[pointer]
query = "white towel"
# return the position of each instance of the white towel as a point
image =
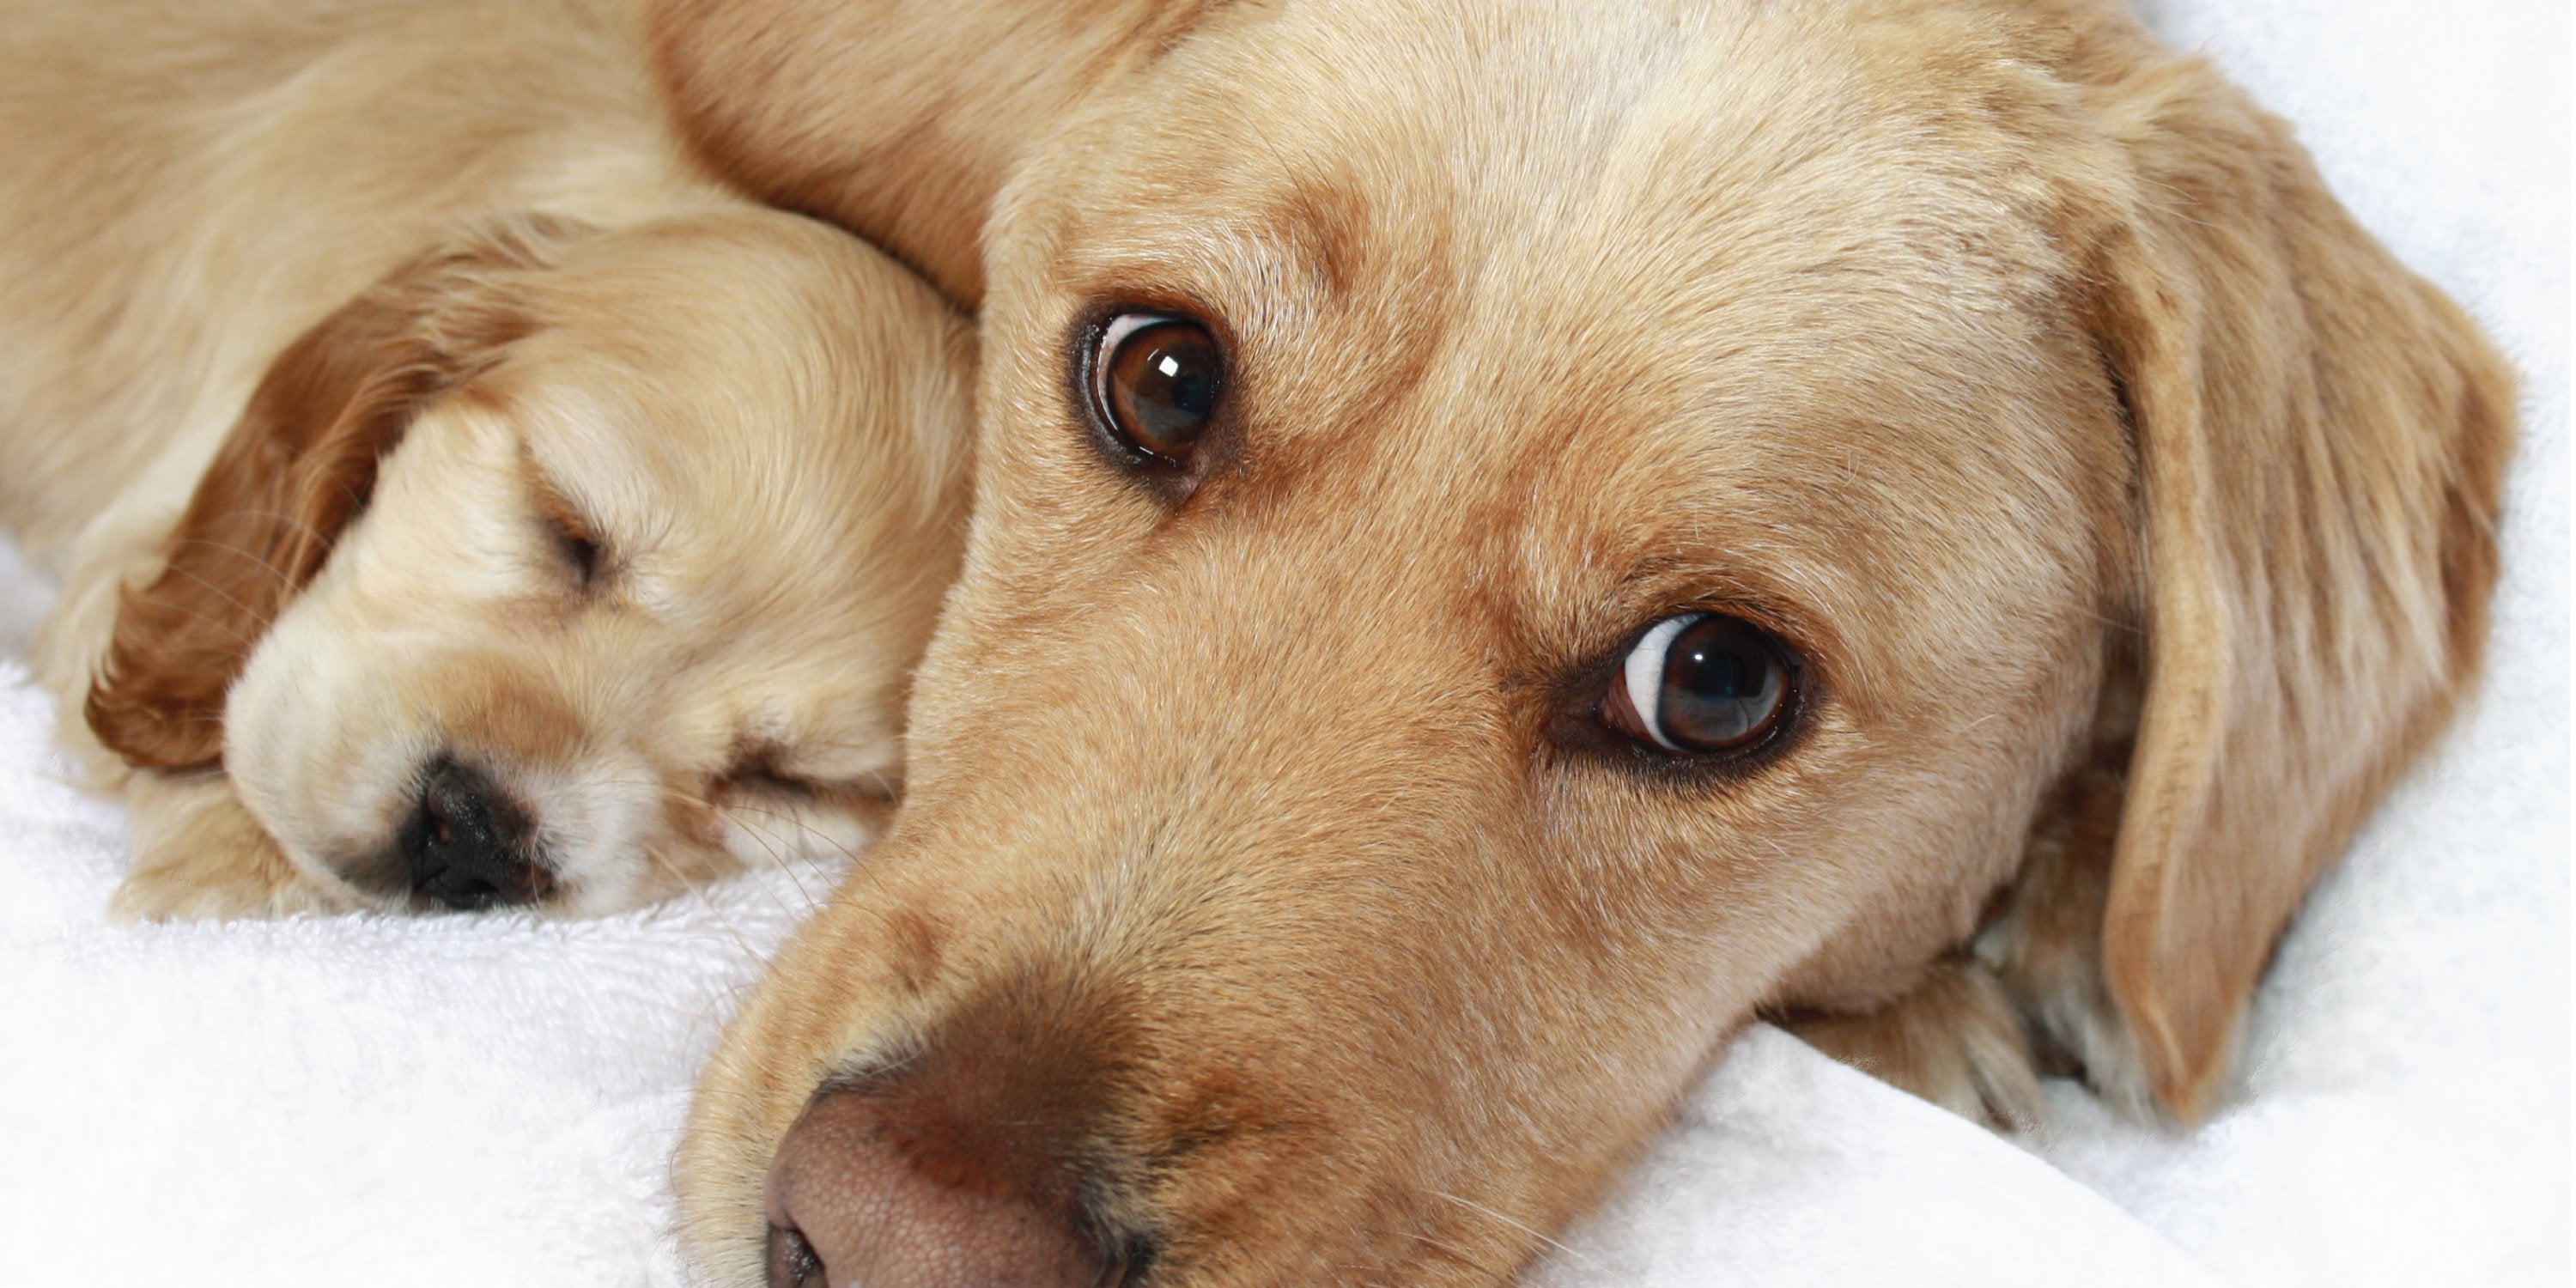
(492, 1100)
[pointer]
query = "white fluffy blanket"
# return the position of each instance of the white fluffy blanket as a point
(492, 1101)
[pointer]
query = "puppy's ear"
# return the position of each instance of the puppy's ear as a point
(894, 119)
(297, 468)
(2321, 438)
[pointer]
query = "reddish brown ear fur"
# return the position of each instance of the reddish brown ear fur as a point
(298, 467)
(2322, 438)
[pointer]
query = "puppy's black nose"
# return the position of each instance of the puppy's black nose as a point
(468, 845)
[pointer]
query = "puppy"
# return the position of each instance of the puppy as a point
(459, 499)
(1511, 538)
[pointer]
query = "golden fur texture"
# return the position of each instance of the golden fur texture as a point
(390, 391)
(2131, 509)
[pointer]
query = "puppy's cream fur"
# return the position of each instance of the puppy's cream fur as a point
(331, 332)
(2132, 510)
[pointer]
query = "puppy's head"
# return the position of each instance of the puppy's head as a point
(1510, 537)
(565, 566)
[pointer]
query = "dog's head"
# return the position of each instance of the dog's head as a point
(565, 565)
(1509, 538)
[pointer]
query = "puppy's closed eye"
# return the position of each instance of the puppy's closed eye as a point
(574, 538)
(763, 771)
(763, 781)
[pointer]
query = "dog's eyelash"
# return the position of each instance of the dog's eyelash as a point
(579, 549)
(773, 782)
(574, 539)
(757, 769)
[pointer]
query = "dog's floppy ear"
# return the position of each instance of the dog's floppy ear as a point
(895, 119)
(297, 468)
(2321, 438)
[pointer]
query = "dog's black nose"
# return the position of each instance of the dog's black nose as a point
(468, 845)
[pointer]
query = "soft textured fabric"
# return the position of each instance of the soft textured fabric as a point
(493, 1100)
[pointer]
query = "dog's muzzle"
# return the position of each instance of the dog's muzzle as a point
(468, 845)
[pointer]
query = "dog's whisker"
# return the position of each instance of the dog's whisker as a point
(689, 798)
(788, 867)
(1526, 1228)
(266, 564)
(786, 864)
(707, 902)
(296, 521)
(779, 858)
(1455, 1253)
(783, 859)
(228, 628)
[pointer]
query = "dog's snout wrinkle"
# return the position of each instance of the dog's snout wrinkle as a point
(469, 845)
(892, 1192)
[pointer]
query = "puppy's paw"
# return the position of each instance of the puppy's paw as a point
(199, 855)
(1955, 1041)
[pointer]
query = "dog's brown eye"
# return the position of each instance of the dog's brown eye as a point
(1155, 382)
(1700, 683)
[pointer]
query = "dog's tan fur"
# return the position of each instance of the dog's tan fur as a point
(318, 318)
(2132, 508)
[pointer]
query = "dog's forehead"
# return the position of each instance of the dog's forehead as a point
(1637, 285)
(1665, 207)
(1327, 147)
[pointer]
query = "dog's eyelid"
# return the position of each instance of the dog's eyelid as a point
(1652, 595)
(575, 536)
(773, 781)
(771, 766)
(764, 773)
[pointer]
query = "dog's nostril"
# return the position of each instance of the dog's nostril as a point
(792, 1263)
(893, 1194)
(468, 845)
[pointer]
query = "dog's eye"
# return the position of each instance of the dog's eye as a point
(1155, 379)
(1700, 683)
(770, 782)
(569, 531)
(578, 546)
(759, 770)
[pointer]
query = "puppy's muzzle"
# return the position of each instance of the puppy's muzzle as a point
(467, 845)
